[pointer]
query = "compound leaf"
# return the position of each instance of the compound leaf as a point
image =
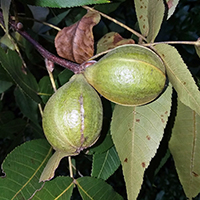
(141, 130)
(179, 76)
(185, 148)
(23, 167)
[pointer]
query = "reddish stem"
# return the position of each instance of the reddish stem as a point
(45, 53)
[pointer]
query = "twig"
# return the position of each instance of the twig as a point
(116, 22)
(70, 167)
(45, 53)
(173, 42)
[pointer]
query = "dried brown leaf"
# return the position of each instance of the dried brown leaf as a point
(76, 42)
(112, 40)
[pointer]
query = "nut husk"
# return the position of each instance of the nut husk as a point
(72, 117)
(129, 75)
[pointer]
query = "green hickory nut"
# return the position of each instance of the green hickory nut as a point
(128, 75)
(73, 116)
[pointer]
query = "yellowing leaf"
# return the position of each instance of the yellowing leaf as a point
(136, 133)
(171, 7)
(141, 7)
(185, 148)
(112, 40)
(180, 76)
(155, 16)
(51, 166)
(150, 15)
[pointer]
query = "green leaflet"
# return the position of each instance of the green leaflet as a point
(24, 79)
(92, 188)
(23, 167)
(141, 130)
(59, 188)
(63, 3)
(105, 164)
(179, 76)
(150, 15)
(185, 148)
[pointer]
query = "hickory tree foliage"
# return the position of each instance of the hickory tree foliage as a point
(144, 152)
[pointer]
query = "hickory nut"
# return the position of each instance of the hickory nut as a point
(72, 117)
(129, 75)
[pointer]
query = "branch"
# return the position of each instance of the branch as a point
(45, 53)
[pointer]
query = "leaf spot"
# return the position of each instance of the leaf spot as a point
(143, 164)
(148, 137)
(126, 160)
(166, 112)
(137, 120)
(195, 174)
(144, 26)
(184, 83)
(141, 16)
(162, 115)
(162, 120)
(32, 160)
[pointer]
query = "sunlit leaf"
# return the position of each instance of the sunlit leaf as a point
(180, 76)
(185, 148)
(63, 3)
(150, 15)
(112, 40)
(171, 7)
(92, 188)
(25, 80)
(105, 164)
(76, 42)
(141, 7)
(155, 16)
(23, 167)
(52, 165)
(136, 133)
(59, 188)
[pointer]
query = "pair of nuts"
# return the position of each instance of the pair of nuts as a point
(129, 75)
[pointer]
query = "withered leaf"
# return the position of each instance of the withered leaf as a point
(76, 42)
(112, 40)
